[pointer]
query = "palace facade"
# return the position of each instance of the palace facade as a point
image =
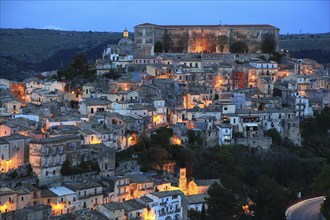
(199, 38)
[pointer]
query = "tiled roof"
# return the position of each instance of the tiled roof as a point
(47, 193)
(167, 193)
(145, 199)
(139, 178)
(80, 186)
(14, 137)
(132, 205)
(113, 206)
(199, 198)
(90, 215)
(56, 139)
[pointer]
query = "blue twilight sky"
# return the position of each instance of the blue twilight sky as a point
(291, 16)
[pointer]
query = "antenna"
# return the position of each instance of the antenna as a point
(220, 21)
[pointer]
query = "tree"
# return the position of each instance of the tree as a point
(112, 74)
(270, 199)
(203, 212)
(268, 44)
(80, 64)
(276, 137)
(66, 168)
(158, 47)
(223, 40)
(325, 207)
(222, 203)
(239, 47)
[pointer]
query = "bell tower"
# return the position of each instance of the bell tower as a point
(183, 180)
(125, 33)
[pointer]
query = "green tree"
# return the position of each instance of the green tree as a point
(223, 40)
(79, 64)
(66, 168)
(276, 137)
(193, 138)
(270, 199)
(222, 203)
(239, 47)
(112, 74)
(268, 44)
(325, 207)
(158, 47)
(194, 215)
(203, 213)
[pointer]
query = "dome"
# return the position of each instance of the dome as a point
(125, 41)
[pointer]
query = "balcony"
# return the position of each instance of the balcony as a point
(177, 210)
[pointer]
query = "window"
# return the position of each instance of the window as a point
(22, 198)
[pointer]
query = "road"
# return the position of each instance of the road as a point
(308, 209)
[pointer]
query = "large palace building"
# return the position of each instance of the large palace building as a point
(199, 38)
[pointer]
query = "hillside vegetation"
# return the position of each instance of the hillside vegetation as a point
(296, 42)
(23, 51)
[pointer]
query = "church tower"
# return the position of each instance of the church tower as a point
(125, 33)
(183, 180)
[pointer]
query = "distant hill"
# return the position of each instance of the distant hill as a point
(24, 51)
(314, 46)
(295, 42)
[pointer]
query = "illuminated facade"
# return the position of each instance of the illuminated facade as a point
(198, 38)
(13, 151)
(47, 155)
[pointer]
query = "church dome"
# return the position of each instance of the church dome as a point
(125, 41)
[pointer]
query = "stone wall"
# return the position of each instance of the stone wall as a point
(197, 39)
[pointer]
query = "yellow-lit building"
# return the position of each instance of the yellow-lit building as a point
(194, 187)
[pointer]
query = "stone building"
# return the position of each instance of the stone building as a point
(47, 156)
(198, 38)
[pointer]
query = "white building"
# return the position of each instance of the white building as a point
(89, 194)
(167, 204)
(66, 200)
(225, 134)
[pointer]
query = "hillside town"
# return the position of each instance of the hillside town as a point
(60, 138)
